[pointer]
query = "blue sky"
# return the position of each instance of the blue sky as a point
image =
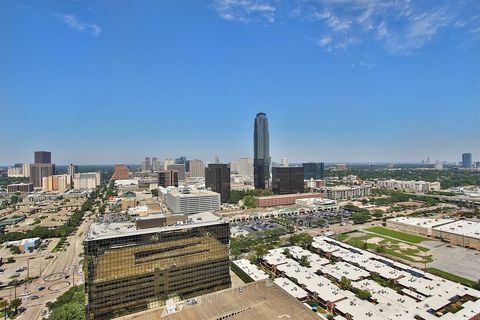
(100, 82)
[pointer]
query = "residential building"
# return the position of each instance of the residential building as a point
(43, 157)
(168, 178)
(56, 182)
(20, 187)
(346, 192)
(287, 180)
(466, 160)
(197, 168)
(217, 178)
(341, 167)
(121, 172)
(40, 170)
(314, 170)
(261, 152)
(314, 184)
(412, 186)
(188, 201)
(89, 180)
(181, 170)
(130, 269)
(245, 167)
(72, 170)
(18, 170)
(156, 164)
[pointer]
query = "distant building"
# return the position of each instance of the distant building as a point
(197, 168)
(38, 171)
(313, 184)
(245, 167)
(234, 167)
(20, 187)
(181, 170)
(466, 160)
(145, 165)
(261, 151)
(121, 172)
(130, 269)
(43, 157)
(167, 162)
(168, 178)
(188, 201)
(287, 180)
(341, 167)
(284, 162)
(346, 192)
(217, 159)
(183, 160)
(314, 170)
(411, 185)
(438, 166)
(72, 170)
(56, 182)
(19, 170)
(89, 180)
(156, 164)
(284, 199)
(217, 178)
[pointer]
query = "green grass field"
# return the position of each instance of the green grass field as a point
(451, 277)
(397, 234)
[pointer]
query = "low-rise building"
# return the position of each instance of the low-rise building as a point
(20, 187)
(24, 245)
(346, 192)
(284, 199)
(412, 186)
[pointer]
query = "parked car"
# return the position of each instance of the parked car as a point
(40, 288)
(35, 297)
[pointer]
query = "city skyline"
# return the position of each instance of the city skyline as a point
(336, 89)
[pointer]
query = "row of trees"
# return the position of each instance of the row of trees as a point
(237, 195)
(70, 305)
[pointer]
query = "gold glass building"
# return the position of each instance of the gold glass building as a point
(130, 270)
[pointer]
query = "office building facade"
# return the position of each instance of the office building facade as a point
(217, 178)
(314, 170)
(38, 171)
(466, 160)
(245, 167)
(129, 270)
(167, 178)
(88, 180)
(20, 187)
(197, 168)
(181, 170)
(156, 164)
(56, 182)
(287, 180)
(261, 151)
(42, 157)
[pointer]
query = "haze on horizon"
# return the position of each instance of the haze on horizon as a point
(339, 81)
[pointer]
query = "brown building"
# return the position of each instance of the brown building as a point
(168, 178)
(287, 180)
(43, 157)
(20, 187)
(285, 199)
(40, 170)
(121, 172)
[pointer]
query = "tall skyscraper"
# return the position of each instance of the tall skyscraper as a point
(217, 159)
(466, 160)
(197, 168)
(43, 157)
(313, 170)
(156, 164)
(180, 168)
(167, 162)
(42, 167)
(183, 160)
(71, 170)
(261, 151)
(146, 164)
(217, 178)
(287, 180)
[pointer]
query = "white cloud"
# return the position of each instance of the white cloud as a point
(80, 26)
(400, 26)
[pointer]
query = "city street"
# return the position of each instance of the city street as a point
(61, 273)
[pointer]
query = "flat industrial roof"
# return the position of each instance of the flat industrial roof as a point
(462, 227)
(121, 229)
(421, 222)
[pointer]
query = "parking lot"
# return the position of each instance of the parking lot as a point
(256, 225)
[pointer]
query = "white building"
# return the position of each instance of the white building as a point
(413, 186)
(188, 201)
(245, 167)
(284, 162)
(346, 192)
(197, 168)
(167, 163)
(19, 170)
(89, 180)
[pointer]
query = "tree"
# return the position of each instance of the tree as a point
(345, 283)
(15, 250)
(250, 201)
(363, 294)
(304, 262)
(302, 239)
(361, 217)
(15, 303)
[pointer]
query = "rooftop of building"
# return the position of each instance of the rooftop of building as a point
(304, 195)
(421, 222)
(100, 231)
(187, 192)
(462, 227)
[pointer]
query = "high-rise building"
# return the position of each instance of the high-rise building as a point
(71, 170)
(466, 160)
(156, 164)
(313, 170)
(287, 180)
(217, 178)
(167, 162)
(197, 168)
(234, 167)
(121, 172)
(146, 165)
(245, 167)
(183, 160)
(180, 168)
(88, 180)
(261, 151)
(284, 162)
(40, 170)
(43, 157)
(19, 170)
(130, 269)
(168, 178)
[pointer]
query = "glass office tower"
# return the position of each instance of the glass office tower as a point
(261, 151)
